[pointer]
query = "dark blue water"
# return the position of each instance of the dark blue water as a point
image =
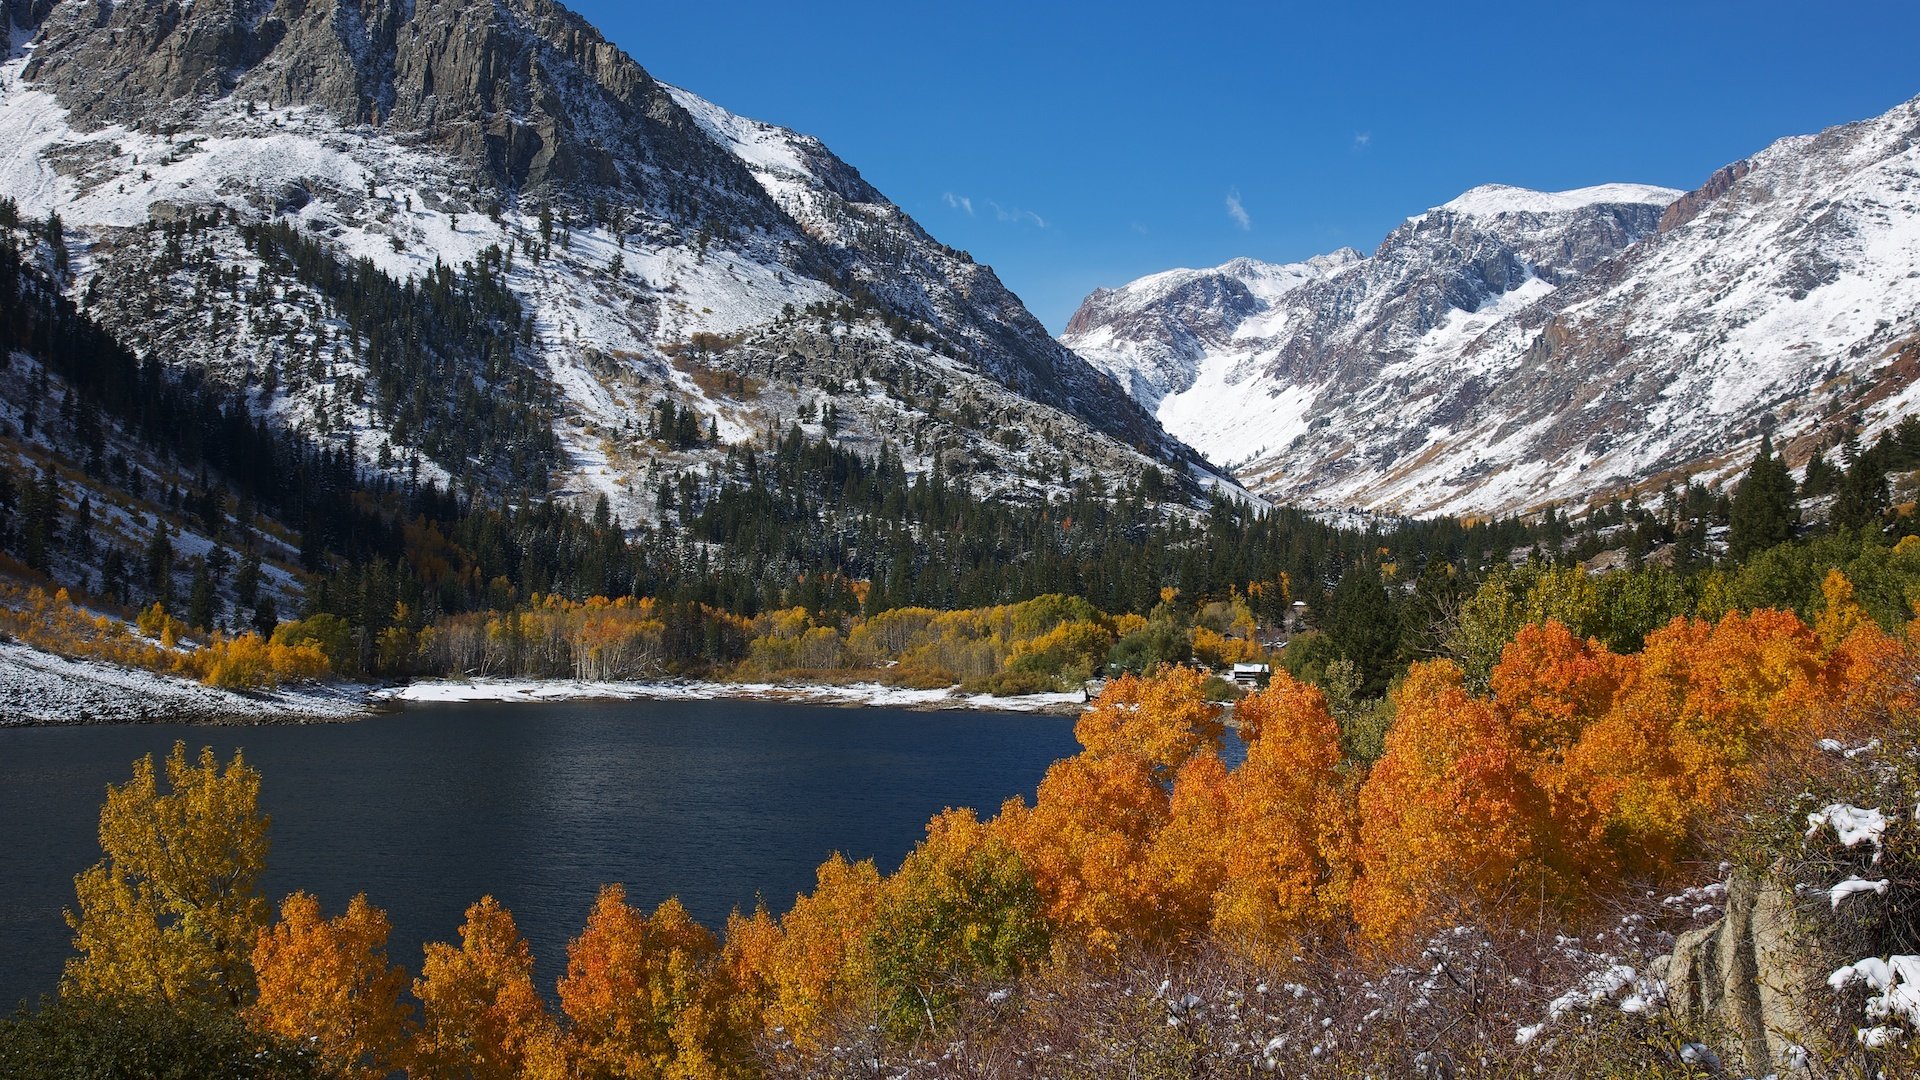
(538, 805)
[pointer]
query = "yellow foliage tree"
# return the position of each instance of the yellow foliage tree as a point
(481, 1018)
(962, 908)
(638, 992)
(326, 984)
(173, 909)
(802, 972)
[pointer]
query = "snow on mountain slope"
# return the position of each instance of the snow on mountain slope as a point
(1243, 375)
(659, 246)
(1154, 335)
(1511, 349)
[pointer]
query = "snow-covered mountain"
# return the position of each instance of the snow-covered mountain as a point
(1253, 362)
(630, 243)
(1514, 348)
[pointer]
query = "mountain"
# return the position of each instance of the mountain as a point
(474, 240)
(1512, 349)
(1269, 368)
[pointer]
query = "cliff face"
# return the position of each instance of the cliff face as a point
(658, 245)
(526, 92)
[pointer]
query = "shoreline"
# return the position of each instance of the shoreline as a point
(40, 689)
(845, 695)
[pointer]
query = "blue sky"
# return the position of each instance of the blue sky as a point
(1073, 146)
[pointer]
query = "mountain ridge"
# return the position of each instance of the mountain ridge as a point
(656, 255)
(1505, 359)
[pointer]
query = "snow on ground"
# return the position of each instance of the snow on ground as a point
(856, 694)
(41, 688)
(1489, 199)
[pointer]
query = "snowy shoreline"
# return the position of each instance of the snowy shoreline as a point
(852, 695)
(40, 689)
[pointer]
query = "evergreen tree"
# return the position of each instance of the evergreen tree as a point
(1862, 498)
(1361, 627)
(40, 528)
(159, 565)
(1821, 477)
(1764, 512)
(200, 598)
(246, 584)
(266, 616)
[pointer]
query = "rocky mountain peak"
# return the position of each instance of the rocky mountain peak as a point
(525, 92)
(645, 248)
(1511, 348)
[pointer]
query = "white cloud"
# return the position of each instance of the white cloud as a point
(1016, 215)
(960, 202)
(1362, 140)
(1238, 210)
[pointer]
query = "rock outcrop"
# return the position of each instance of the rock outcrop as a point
(1743, 980)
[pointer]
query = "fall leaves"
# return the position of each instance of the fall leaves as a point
(1576, 768)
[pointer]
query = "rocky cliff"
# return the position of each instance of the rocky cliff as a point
(660, 247)
(1512, 349)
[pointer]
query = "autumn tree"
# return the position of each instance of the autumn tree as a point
(1287, 840)
(1186, 857)
(1707, 703)
(326, 983)
(1448, 820)
(1088, 841)
(1163, 719)
(481, 1018)
(800, 973)
(962, 908)
(1549, 688)
(173, 909)
(639, 991)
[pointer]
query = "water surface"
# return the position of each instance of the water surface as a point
(718, 802)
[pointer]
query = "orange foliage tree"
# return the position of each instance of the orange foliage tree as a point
(638, 992)
(1706, 703)
(1448, 820)
(1163, 719)
(1088, 841)
(481, 1017)
(1550, 687)
(1288, 836)
(326, 983)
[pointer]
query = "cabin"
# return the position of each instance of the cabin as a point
(1251, 676)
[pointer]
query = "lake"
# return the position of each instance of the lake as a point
(717, 802)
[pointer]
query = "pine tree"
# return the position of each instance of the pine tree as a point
(1821, 477)
(1764, 512)
(246, 585)
(1862, 496)
(201, 598)
(40, 529)
(159, 565)
(1362, 627)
